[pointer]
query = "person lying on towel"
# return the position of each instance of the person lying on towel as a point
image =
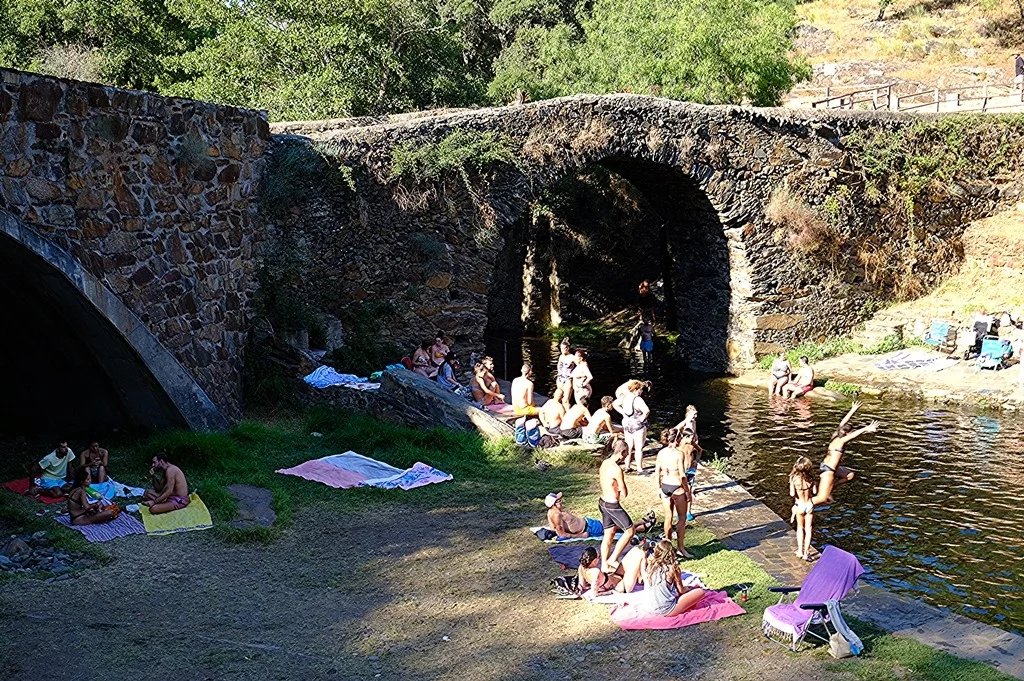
(84, 511)
(173, 495)
(568, 525)
(51, 477)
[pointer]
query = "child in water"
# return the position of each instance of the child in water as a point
(647, 340)
(803, 489)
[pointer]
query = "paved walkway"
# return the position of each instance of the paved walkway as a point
(744, 524)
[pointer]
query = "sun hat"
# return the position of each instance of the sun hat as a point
(550, 499)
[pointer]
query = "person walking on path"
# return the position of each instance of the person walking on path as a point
(1018, 71)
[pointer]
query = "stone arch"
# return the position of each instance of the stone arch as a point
(80, 359)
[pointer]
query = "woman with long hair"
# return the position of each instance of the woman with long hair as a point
(832, 473)
(81, 509)
(563, 377)
(663, 584)
(581, 379)
(802, 489)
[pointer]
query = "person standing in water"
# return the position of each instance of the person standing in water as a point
(832, 473)
(802, 489)
(647, 341)
(563, 377)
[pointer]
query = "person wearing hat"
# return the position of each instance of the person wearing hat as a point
(568, 525)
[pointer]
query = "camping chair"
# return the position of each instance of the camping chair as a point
(942, 336)
(993, 353)
(831, 578)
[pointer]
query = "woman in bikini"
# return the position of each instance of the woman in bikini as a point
(81, 509)
(832, 473)
(624, 579)
(421, 360)
(782, 371)
(670, 480)
(802, 489)
(581, 379)
(563, 379)
(629, 402)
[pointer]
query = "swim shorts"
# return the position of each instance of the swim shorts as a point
(594, 527)
(179, 502)
(647, 346)
(613, 514)
(528, 410)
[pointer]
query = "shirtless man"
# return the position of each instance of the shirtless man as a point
(51, 476)
(669, 475)
(599, 422)
(568, 525)
(96, 459)
(174, 495)
(522, 393)
(574, 420)
(483, 394)
(803, 383)
(551, 416)
(613, 516)
(492, 380)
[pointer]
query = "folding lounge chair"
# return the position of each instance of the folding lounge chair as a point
(993, 353)
(941, 336)
(831, 578)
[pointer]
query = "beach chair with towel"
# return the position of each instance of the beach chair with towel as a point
(994, 353)
(941, 336)
(817, 603)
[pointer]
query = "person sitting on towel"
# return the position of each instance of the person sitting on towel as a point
(627, 575)
(51, 477)
(568, 525)
(81, 509)
(96, 459)
(481, 387)
(663, 584)
(174, 494)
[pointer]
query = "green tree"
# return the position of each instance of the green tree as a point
(707, 51)
(331, 58)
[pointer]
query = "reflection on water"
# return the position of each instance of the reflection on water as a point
(934, 511)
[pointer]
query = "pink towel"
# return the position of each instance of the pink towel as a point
(321, 471)
(714, 606)
(501, 408)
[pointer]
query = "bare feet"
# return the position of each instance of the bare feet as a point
(683, 553)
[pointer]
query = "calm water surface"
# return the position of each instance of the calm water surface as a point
(935, 511)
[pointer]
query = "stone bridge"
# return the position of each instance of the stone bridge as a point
(127, 241)
(130, 234)
(466, 258)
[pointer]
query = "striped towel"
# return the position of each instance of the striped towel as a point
(121, 526)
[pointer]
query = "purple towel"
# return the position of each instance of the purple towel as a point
(121, 526)
(832, 577)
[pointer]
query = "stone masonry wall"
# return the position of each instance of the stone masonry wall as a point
(709, 172)
(154, 196)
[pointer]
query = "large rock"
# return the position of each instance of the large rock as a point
(411, 399)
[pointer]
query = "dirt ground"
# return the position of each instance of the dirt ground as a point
(452, 593)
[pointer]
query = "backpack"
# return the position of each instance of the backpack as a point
(520, 431)
(567, 586)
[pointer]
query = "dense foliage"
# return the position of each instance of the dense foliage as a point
(331, 58)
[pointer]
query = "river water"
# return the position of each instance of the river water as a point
(934, 511)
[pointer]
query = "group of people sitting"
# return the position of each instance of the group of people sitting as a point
(785, 383)
(60, 473)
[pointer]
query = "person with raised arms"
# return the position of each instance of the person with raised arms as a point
(831, 473)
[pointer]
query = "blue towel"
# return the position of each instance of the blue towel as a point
(325, 376)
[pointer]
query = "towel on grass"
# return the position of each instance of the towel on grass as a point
(195, 516)
(21, 486)
(121, 526)
(344, 471)
(325, 377)
(714, 606)
(565, 540)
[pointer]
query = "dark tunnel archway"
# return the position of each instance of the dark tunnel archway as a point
(691, 256)
(70, 368)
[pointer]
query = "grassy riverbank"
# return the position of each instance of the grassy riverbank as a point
(440, 582)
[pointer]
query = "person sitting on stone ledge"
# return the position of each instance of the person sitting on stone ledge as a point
(599, 425)
(173, 495)
(438, 351)
(781, 373)
(802, 383)
(551, 416)
(483, 394)
(97, 460)
(573, 422)
(421, 360)
(492, 380)
(81, 509)
(446, 373)
(51, 477)
(522, 393)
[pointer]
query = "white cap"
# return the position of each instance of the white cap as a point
(550, 499)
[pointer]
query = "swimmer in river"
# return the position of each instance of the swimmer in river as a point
(832, 473)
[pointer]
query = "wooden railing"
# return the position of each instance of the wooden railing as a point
(983, 98)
